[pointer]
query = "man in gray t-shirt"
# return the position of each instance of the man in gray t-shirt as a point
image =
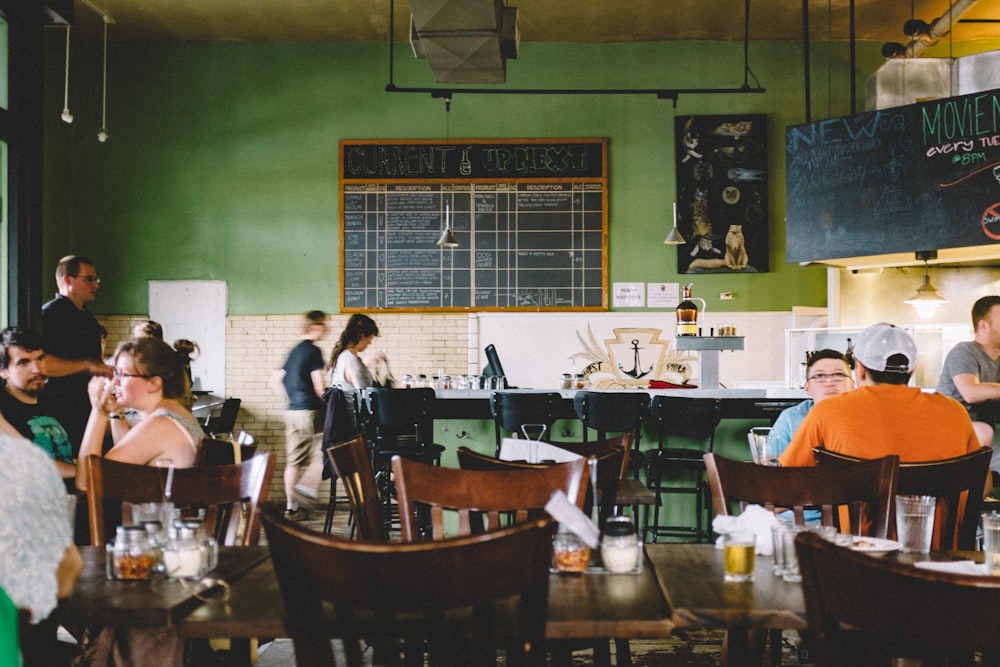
(971, 370)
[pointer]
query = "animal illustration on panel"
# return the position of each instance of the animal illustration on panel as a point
(736, 250)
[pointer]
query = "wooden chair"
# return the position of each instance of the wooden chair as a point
(351, 462)
(864, 610)
(612, 467)
(479, 498)
(211, 487)
(485, 494)
(866, 489)
(957, 483)
(461, 598)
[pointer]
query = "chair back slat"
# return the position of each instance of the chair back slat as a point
(352, 464)
(866, 489)
(957, 483)
(459, 599)
(478, 491)
(211, 487)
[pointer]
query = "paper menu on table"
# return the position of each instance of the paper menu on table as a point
(515, 449)
(572, 517)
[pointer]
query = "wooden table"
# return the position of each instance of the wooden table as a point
(95, 601)
(580, 606)
(691, 577)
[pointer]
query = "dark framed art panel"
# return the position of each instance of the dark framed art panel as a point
(722, 193)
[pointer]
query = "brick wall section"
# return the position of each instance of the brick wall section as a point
(257, 344)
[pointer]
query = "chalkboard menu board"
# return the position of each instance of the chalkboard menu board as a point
(529, 216)
(918, 177)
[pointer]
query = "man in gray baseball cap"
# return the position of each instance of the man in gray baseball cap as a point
(884, 415)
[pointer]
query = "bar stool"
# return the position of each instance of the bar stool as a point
(399, 421)
(513, 409)
(619, 412)
(688, 417)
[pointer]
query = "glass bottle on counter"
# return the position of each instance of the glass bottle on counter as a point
(687, 313)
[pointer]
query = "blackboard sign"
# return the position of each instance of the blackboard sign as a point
(918, 177)
(530, 218)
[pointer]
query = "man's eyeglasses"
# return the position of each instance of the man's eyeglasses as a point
(832, 377)
(90, 279)
(122, 374)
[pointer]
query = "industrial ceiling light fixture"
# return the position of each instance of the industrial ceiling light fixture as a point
(447, 239)
(66, 115)
(674, 237)
(926, 299)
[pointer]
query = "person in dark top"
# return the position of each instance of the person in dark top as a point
(24, 405)
(71, 338)
(300, 381)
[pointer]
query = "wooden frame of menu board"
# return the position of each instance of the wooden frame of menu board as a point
(529, 215)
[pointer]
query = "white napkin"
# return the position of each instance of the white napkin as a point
(572, 517)
(516, 449)
(953, 566)
(755, 519)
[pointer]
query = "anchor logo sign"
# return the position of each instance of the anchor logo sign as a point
(636, 371)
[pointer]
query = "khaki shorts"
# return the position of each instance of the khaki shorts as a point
(303, 437)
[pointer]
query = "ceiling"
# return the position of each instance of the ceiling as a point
(583, 21)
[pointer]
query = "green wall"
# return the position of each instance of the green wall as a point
(222, 158)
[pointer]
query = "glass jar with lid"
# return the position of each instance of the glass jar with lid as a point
(621, 550)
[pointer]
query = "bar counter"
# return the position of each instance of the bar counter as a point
(746, 403)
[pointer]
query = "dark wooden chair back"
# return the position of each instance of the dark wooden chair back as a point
(957, 483)
(513, 409)
(353, 466)
(613, 455)
(215, 488)
(460, 599)
(866, 489)
(862, 608)
(479, 498)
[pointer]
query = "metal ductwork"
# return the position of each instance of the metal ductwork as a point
(908, 79)
(465, 41)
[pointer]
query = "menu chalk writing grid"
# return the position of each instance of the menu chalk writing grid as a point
(530, 218)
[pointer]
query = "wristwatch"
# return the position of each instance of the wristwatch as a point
(116, 415)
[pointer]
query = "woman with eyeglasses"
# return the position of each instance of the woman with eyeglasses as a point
(149, 377)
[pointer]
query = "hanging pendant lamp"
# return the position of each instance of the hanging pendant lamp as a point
(926, 299)
(102, 136)
(674, 237)
(447, 239)
(66, 115)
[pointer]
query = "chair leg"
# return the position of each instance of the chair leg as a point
(328, 523)
(623, 654)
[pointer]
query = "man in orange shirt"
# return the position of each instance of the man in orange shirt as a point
(883, 415)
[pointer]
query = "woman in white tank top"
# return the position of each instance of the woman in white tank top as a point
(151, 378)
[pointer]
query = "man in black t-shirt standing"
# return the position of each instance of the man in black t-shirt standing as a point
(23, 403)
(300, 381)
(72, 342)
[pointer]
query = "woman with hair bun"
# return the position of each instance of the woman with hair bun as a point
(150, 377)
(347, 368)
